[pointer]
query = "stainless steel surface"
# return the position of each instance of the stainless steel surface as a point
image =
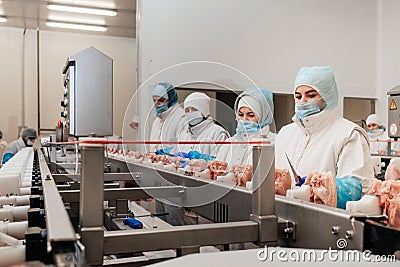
(91, 203)
(313, 222)
(263, 195)
(178, 236)
(126, 193)
(319, 226)
(58, 224)
(89, 85)
(108, 177)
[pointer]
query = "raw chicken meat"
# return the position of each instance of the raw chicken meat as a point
(376, 187)
(392, 172)
(243, 173)
(389, 199)
(283, 182)
(134, 154)
(197, 165)
(393, 212)
(149, 156)
(217, 168)
(323, 188)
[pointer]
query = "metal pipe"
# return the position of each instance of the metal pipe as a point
(116, 242)
(127, 193)
(38, 79)
(13, 255)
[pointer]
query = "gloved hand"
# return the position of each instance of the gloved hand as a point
(164, 151)
(184, 163)
(197, 155)
(132, 222)
(182, 154)
(348, 189)
(7, 157)
(301, 181)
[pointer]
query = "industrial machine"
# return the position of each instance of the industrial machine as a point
(394, 112)
(77, 219)
(88, 94)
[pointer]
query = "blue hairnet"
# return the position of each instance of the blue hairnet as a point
(264, 98)
(321, 79)
(167, 91)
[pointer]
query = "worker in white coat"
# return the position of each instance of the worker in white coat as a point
(319, 139)
(200, 126)
(254, 113)
(170, 117)
(27, 139)
(377, 135)
(3, 145)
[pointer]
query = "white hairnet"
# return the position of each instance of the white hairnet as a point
(374, 118)
(260, 101)
(251, 103)
(321, 79)
(199, 101)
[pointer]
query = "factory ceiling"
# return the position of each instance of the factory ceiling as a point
(45, 15)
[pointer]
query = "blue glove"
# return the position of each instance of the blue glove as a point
(182, 154)
(164, 151)
(301, 181)
(184, 163)
(348, 189)
(132, 222)
(7, 157)
(194, 154)
(198, 155)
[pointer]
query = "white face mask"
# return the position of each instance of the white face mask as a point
(194, 118)
(375, 133)
(29, 143)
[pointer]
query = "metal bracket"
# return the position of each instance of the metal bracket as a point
(286, 229)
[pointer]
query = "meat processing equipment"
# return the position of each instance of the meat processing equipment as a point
(239, 215)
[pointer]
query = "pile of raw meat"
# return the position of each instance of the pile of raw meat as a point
(238, 174)
(388, 194)
(383, 197)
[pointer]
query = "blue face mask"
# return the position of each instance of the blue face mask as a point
(161, 108)
(247, 126)
(306, 109)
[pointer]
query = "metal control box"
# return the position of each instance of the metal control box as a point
(394, 112)
(88, 94)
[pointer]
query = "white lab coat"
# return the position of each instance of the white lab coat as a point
(325, 142)
(207, 130)
(3, 145)
(377, 146)
(15, 146)
(166, 127)
(243, 154)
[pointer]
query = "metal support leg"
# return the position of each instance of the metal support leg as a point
(91, 203)
(263, 197)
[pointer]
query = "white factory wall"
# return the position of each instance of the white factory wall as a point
(54, 48)
(388, 56)
(268, 40)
